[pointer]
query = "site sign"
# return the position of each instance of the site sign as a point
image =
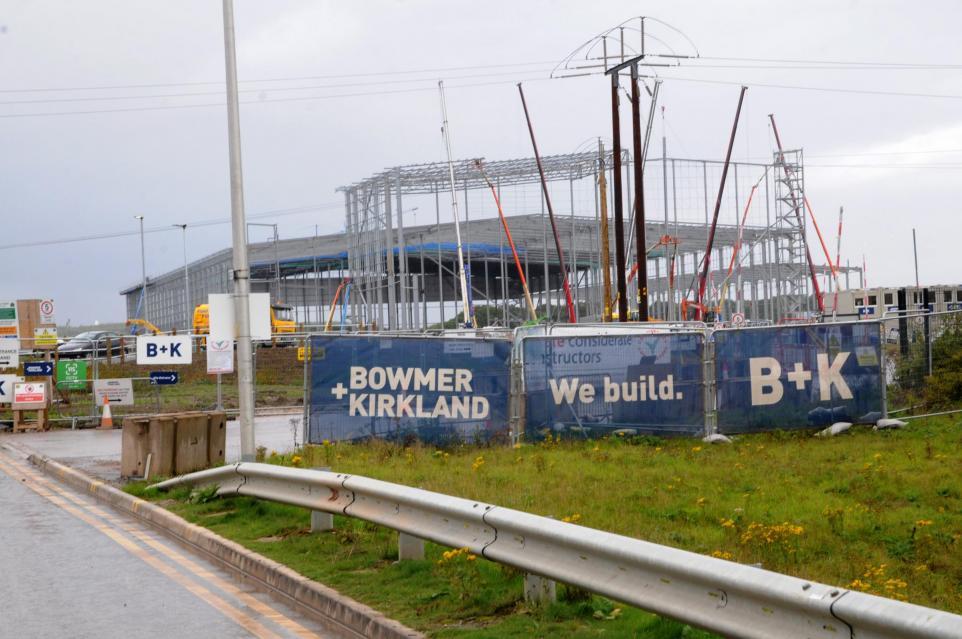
(6, 387)
(120, 392)
(163, 349)
(164, 378)
(8, 320)
(29, 393)
(45, 336)
(38, 369)
(594, 385)
(786, 377)
(220, 356)
(399, 388)
(46, 312)
(72, 374)
(9, 353)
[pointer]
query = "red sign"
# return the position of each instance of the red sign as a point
(29, 393)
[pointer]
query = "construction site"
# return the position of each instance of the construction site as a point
(490, 242)
(758, 266)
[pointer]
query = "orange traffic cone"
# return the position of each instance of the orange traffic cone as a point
(106, 419)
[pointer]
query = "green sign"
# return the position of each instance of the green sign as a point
(72, 375)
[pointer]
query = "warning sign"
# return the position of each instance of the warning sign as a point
(8, 320)
(46, 312)
(29, 393)
(45, 337)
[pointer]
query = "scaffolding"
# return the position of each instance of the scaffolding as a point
(399, 251)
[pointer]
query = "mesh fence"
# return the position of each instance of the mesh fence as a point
(279, 380)
(924, 362)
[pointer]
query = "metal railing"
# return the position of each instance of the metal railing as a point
(717, 595)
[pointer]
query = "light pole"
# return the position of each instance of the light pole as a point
(143, 268)
(242, 284)
(183, 227)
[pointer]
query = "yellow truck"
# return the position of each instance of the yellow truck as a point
(282, 319)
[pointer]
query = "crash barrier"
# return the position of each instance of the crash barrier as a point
(396, 387)
(172, 444)
(725, 597)
(589, 381)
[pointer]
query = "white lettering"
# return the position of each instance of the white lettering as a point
(399, 378)
(766, 389)
(479, 407)
(424, 379)
(441, 408)
(376, 378)
(564, 390)
(461, 407)
(385, 405)
(445, 380)
(832, 375)
(586, 394)
(462, 380)
(666, 388)
(611, 391)
(358, 377)
(356, 407)
(404, 405)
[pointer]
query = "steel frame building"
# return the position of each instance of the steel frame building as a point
(403, 275)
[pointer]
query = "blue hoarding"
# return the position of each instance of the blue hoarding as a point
(595, 385)
(399, 388)
(787, 377)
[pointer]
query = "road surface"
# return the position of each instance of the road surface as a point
(75, 568)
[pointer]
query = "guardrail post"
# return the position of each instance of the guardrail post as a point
(409, 547)
(539, 590)
(321, 521)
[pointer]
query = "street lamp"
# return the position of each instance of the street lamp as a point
(183, 227)
(143, 267)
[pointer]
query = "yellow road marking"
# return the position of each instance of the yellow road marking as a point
(242, 619)
(252, 602)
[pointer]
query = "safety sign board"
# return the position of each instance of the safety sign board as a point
(118, 391)
(221, 316)
(38, 369)
(29, 393)
(72, 375)
(46, 312)
(164, 378)
(9, 353)
(6, 387)
(163, 349)
(45, 337)
(220, 356)
(738, 319)
(8, 320)
(301, 352)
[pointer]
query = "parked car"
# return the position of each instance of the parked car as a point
(84, 344)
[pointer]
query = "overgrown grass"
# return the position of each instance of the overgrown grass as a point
(873, 511)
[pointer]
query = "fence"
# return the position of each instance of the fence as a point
(924, 361)
(579, 380)
(280, 379)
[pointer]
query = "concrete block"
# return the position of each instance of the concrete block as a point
(321, 521)
(409, 547)
(539, 590)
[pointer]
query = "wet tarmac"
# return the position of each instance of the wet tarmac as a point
(74, 568)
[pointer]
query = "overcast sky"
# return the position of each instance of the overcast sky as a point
(893, 161)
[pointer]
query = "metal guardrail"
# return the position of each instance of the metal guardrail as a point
(714, 594)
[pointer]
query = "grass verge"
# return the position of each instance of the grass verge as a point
(874, 511)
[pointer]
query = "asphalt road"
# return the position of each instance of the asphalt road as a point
(74, 568)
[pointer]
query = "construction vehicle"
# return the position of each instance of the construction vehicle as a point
(282, 319)
(144, 325)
